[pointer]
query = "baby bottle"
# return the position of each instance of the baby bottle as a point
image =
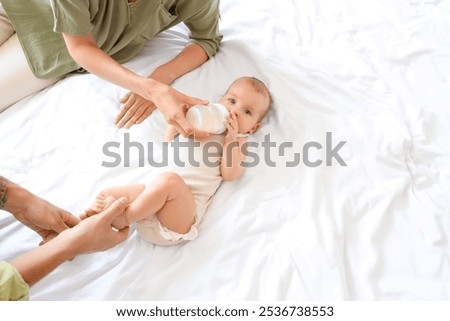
(209, 118)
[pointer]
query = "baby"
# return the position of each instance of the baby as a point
(168, 210)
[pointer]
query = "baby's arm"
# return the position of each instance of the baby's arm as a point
(233, 156)
(234, 152)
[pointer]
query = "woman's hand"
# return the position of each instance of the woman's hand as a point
(136, 108)
(174, 105)
(41, 216)
(90, 235)
(134, 111)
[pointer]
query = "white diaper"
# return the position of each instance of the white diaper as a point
(151, 230)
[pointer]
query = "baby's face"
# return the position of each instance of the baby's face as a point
(247, 104)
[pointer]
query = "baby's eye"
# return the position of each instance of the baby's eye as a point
(248, 112)
(231, 101)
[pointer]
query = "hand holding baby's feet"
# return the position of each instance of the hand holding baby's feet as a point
(101, 202)
(120, 222)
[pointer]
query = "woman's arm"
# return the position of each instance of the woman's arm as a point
(190, 58)
(172, 103)
(90, 235)
(86, 53)
(136, 108)
(41, 216)
(204, 42)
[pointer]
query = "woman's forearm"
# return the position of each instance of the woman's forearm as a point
(90, 235)
(190, 58)
(38, 263)
(172, 103)
(86, 53)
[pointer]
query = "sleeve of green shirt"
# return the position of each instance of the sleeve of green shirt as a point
(204, 28)
(12, 285)
(71, 17)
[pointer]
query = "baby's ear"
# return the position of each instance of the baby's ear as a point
(255, 128)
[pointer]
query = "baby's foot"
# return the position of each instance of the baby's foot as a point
(120, 221)
(102, 202)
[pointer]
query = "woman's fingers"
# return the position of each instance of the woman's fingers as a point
(135, 110)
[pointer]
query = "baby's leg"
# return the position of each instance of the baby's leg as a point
(110, 194)
(170, 198)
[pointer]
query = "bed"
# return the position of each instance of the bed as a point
(351, 202)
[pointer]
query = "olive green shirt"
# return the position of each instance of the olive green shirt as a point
(12, 285)
(120, 28)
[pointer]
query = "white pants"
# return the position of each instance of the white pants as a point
(16, 79)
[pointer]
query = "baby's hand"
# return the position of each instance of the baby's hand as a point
(232, 127)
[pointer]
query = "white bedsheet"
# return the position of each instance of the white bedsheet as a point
(374, 74)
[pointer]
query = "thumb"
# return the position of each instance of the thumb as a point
(65, 221)
(71, 220)
(115, 209)
(191, 101)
